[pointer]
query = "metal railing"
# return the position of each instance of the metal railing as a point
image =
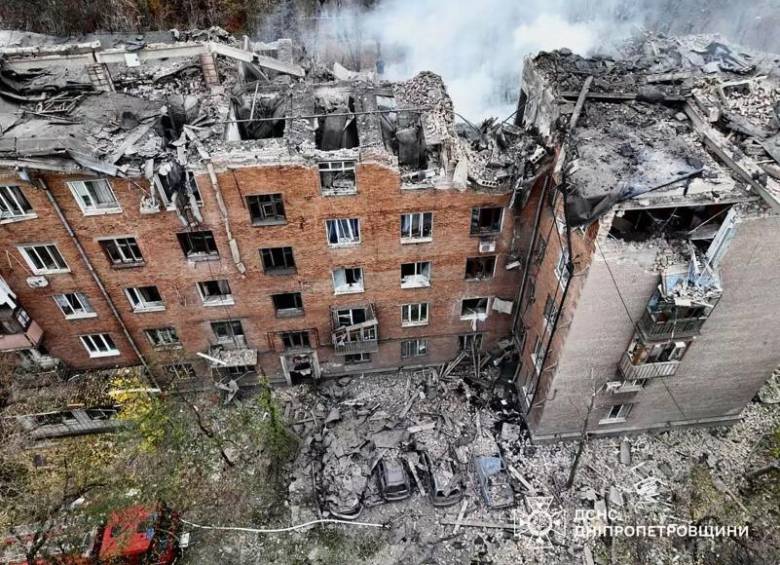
(654, 329)
(631, 372)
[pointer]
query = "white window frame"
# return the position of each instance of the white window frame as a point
(234, 337)
(78, 304)
(346, 228)
(420, 278)
(27, 250)
(481, 258)
(138, 303)
(407, 310)
(411, 348)
(166, 333)
(12, 209)
(218, 300)
(537, 355)
(561, 269)
(126, 260)
(337, 167)
(476, 315)
(80, 190)
(340, 287)
(99, 345)
(416, 236)
(620, 415)
(552, 313)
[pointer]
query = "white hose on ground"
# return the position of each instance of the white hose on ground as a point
(280, 530)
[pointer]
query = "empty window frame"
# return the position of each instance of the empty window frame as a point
(266, 209)
(74, 305)
(278, 260)
(562, 268)
(537, 355)
(95, 196)
(13, 204)
(180, 371)
(215, 293)
(416, 227)
(122, 251)
(471, 308)
(198, 245)
(550, 311)
(414, 348)
(467, 341)
(351, 316)
(287, 304)
(145, 298)
(617, 413)
(344, 231)
(337, 178)
(347, 280)
(414, 314)
(228, 331)
(99, 345)
(163, 337)
(44, 259)
(486, 220)
(295, 339)
(480, 268)
(416, 275)
(357, 358)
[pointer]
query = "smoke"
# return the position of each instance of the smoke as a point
(478, 46)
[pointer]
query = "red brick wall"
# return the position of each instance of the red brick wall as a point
(379, 204)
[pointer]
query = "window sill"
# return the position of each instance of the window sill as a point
(81, 316)
(274, 222)
(234, 342)
(338, 193)
(128, 265)
(607, 421)
(289, 313)
(342, 245)
(478, 317)
(484, 233)
(201, 258)
(413, 240)
(280, 272)
(478, 279)
(414, 324)
(114, 353)
(103, 212)
(22, 218)
(349, 290)
(214, 303)
(416, 284)
(149, 309)
(171, 347)
(52, 272)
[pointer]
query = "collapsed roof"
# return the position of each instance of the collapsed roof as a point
(683, 120)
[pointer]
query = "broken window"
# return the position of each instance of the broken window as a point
(295, 339)
(414, 348)
(44, 259)
(416, 227)
(473, 308)
(480, 268)
(414, 314)
(351, 316)
(697, 223)
(122, 251)
(259, 116)
(468, 341)
(348, 280)
(145, 298)
(617, 413)
(198, 245)
(278, 260)
(485, 220)
(215, 293)
(13, 204)
(162, 337)
(74, 305)
(288, 304)
(99, 345)
(337, 178)
(550, 312)
(338, 129)
(266, 209)
(356, 358)
(228, 331)
(343, 231)
(95, 196)
(416, 275)
(562, 268)
(642, 353)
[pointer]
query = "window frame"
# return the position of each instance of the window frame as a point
(14, 205)
(464, 341)
(139, 303)
(110, 351)
(406, 314)
(418, 279)
(624, 410)
(288, 312)
(480, 259)
(291, 337)
(562, 267)
(126, 248)
(225, 299)
(165, 343)
(344, 166)
(411, 237)
(231, 336)
(276, 201)
(476, 214)
(420, 348)
(288, 269)
(354, 288)
(85, 309)
(364, 357)
(198, 256)
(475, 315)
(24, 250)
(354, 228)
(93, 209)
(550, 312)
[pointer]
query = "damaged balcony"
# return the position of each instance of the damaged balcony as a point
(227, 355)
(632, 372)
(355, 330)
(17, 331)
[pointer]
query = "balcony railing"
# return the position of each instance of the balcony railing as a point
(656, 329)
(362, 337)
(631, 372)
(23, 339)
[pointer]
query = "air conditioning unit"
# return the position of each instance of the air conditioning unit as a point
(37, 282)
(487, 245)
(612, 386)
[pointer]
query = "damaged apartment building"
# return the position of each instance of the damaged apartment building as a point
(649, 297)
(211, 207)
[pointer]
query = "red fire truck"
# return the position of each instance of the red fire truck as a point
(137, 535)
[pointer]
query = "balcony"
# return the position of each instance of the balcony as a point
(231, 355)
(355, 330)
(18, 337)
(631, 372)
(656, 326)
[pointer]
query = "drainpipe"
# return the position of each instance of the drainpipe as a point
(96, 278)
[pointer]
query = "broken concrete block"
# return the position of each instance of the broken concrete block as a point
(625, 452)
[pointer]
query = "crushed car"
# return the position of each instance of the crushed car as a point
(493, 482)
